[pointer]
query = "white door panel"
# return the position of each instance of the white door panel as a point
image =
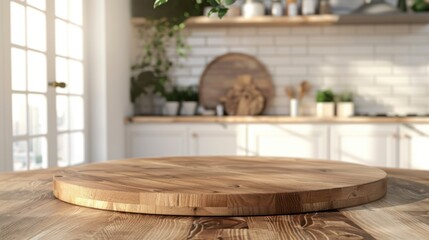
(414, 146)
(288, 140)
(217, 140)
(368, 144)
(157, 140)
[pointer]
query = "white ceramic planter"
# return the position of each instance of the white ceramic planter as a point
(345, 109)
(171, 108)
(325, 109)
(188, 108)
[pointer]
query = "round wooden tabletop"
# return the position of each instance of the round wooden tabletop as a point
(220, 186)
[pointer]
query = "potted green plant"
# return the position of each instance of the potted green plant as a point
(189, 100)
(345, 105)
(325, 103)
(172, 103)
(151, 73)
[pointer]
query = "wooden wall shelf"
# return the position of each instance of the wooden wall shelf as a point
(419, 18)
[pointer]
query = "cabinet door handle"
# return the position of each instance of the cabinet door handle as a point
(194, 135)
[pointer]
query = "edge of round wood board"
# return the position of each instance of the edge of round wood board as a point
(221, 73)
(220, 186)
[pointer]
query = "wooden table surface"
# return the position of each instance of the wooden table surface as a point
(28, 209)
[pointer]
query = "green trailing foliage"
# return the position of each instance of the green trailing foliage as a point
(174, 95)
(325, 96)
(190, 94)
(151, 74)
(219, 7)
(345, 97)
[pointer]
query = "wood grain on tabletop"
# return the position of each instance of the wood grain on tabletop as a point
(28, 209)
(221, 74)
(220, 186)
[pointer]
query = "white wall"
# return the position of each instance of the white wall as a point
(108, 77)
(386, 66)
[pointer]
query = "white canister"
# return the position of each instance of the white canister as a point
(171, 108)
(294, 107)
(345, 109)
(188, 108)
(309, 7)
(277, 9)
(325, 109)
(253, 8)
(292, 9)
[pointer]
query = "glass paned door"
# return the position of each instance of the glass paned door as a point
(69, 69)
(47, 83)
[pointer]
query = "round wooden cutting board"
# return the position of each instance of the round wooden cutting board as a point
(220, 186)
(221, 74)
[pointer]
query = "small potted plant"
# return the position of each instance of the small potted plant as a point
(345, 105)
(172, 103)
(189, 100)
(325, 103)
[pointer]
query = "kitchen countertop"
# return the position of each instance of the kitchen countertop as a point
(273, 119)
(28, 209)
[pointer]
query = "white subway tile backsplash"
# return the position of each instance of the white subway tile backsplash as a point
(208, 51)
(247, 50)
(275, 61)
(223, 41)
(390, 80)
(374, 90)
(307, 60)
(392, 29)
(208, 32)
(196, 41)
(242, 31)
(290, 71)
(409, 90)
(192, 61)
(277, 31)
(392, 49)
(420, 101)
(387, 66)
(258, 41)
(410, 70)
(307, 31)
(339, 30)
(290, 40)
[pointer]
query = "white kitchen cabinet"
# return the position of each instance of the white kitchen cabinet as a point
(288, 140)
(414, 146)
(368, 144)
(217, 140)
(156, 140)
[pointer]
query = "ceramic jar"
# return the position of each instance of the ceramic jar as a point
(253, 8)
(325, 109)
(345, 109)
(188, 108)
(171, 108)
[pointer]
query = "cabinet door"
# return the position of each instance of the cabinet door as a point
(217, 140)
(288, 140)
(368, 144)
(414, 145)
(156, 140)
